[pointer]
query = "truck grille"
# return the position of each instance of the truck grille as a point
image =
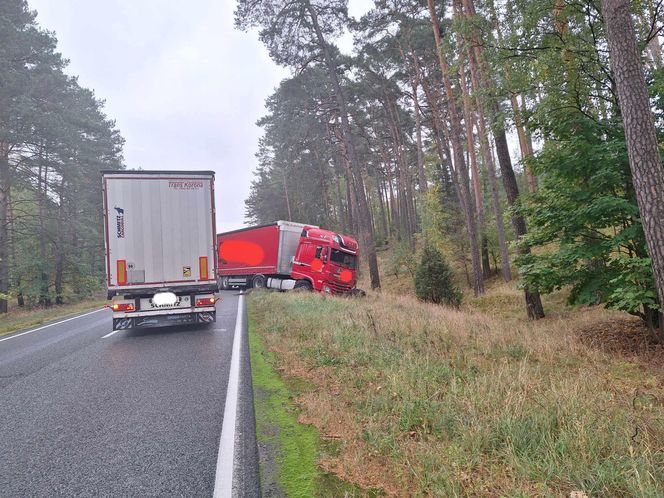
(339, 288)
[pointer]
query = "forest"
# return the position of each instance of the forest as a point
(494, 130)
(54, 140)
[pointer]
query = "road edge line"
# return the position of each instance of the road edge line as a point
(111, 333)
(50, 325)
(223, 480)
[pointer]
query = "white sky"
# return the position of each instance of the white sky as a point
(184, 86)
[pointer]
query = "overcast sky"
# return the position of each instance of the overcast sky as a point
(184, 86)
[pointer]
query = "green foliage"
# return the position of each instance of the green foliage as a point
(586, 217)
(402, 260)
(56, 139)
(434, 280)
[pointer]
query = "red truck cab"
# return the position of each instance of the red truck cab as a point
(326, 259)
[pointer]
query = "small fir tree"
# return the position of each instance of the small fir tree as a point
(434, 280)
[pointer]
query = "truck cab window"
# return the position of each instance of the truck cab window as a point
(343, 258)
(319, 251)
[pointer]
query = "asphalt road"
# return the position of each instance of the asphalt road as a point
(136, 413)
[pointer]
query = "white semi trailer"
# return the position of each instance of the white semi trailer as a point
(160, 239)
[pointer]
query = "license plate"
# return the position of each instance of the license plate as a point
(182, 302)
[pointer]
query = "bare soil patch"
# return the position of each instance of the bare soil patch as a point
(627, 337)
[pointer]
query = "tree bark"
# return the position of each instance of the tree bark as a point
(442, 147)
(534, 306)
(414, 78)
(459, 160)
(525, 140)
(477, 186)
(5, 185)
(485, 149)
(44, 299)
(642, 149)
(60, 237)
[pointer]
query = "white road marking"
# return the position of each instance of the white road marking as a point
(51, 324)
(110, 334)
(223, 481)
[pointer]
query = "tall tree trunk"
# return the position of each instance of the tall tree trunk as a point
(414, 85)
(388, 215)
(459, 160)
(60, 245)
(5, 186)
(534, 306)
(340, 212)
(442, 147)
(283, 174)
(525, 140)
(487, 156)
(476, 180)
(403, 178)
(16, 278)
(44, 298)
(381, 206)
(421, 175)
(644, 158)
(410, 197)
(402, 207)
(366, 234)
(351, 209)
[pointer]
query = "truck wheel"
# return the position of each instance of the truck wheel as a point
(223, 283)
(304, 285)
(258, 282)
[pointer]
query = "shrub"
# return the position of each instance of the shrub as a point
(434, 280)
(402, 259)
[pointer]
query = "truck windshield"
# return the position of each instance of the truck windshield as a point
(343, 258)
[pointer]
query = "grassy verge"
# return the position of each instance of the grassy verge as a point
(424, 400)
(18, 319)
(292, 448)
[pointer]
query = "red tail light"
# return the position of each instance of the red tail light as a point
(123, 307)
(205, 301)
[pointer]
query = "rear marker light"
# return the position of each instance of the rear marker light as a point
(207, 301)
(203, 267)
(122, 272)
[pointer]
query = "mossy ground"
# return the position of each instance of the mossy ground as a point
(292, 448)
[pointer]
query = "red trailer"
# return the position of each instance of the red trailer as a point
(286, 255)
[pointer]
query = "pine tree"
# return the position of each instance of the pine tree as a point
(434, 279)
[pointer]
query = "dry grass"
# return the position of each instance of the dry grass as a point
(430, 401)
(22, 318)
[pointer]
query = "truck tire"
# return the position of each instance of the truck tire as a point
(303, 285)
(223, 283)
(258, 282)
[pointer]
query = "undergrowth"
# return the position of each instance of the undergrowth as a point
(429, 401)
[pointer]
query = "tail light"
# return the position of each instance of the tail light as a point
(202, 301)
(123, 307)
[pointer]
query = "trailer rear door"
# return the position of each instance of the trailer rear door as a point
(160, 229)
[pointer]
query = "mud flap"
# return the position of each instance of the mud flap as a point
(207, 317)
